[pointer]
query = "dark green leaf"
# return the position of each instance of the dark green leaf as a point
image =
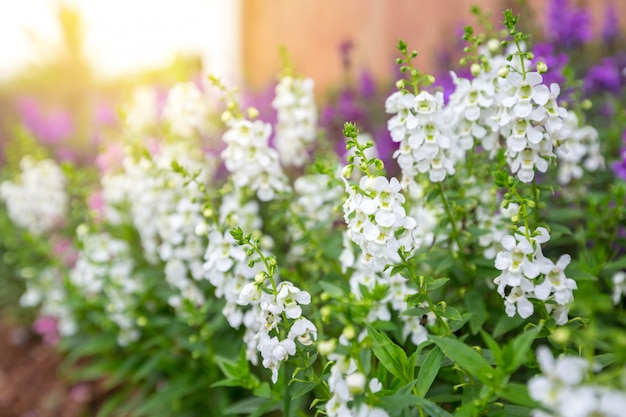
(429, 370)
(467, 358)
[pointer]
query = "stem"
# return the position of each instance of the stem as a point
(455, 232)
(424, 293)
(536, 200)
(286, 396)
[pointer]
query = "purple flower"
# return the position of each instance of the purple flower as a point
(619, 166)
(567, 25)
(49, 127)
(367, 85)
(603, 77)
(555, 61)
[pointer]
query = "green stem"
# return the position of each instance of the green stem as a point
(536, 200)
(455, 231)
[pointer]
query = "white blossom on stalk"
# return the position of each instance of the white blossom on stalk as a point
(297, 119)
(530, 275)
(250, 160)
(377, 221)
(318, 200)
(37, 200)
(186, 110)
(47, 290)
(166, 210)
(562, 389)
(530, 120)
(142, 113)
(105, 268)
(581, 150)
(469, 110)
(419, 125)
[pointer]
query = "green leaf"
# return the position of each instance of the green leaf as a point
(494, 347)
(390, 355)
(520, 347)
(333, 290)
(467, 358)
(429, 370)
(506, 324)
(475, 303)
(437, 283)
(517, 394)
(246, 406)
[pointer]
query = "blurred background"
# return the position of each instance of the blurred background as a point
(67, 65)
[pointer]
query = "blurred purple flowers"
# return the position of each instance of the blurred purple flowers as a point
(568, 26)
(619, 166)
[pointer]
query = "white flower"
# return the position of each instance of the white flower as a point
(297, 119)
(619, 286)
(274, 352)
(304, 330)
(37, 201)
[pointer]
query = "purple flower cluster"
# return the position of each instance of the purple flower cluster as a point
(604, 77)
(556, 62)
(49, 127)
(568, 26)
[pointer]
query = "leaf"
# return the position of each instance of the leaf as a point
(437, 283)
(506, 324)
(475, 303)
(429, 370)
(511, 411)
(517, 394)
(333, 290)
(494, 347)
(520, 346)
(390, 355)
(246, 406)
(467, 358)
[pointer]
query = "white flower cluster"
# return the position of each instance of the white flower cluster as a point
(186, 110)
(396, 297)
(250, 160)
(377, 221)
(166, 213)
(471, 112)
(284, 302)
(317, 203)
(37, 201)
(105, 267)
(505, 101)
(420, 127)
(582, 149)
(563, 392)
(529, 274)
(142, 113)
(494, 224)
(531, 121)
(297, 119)
(346, 382)
(47, 290)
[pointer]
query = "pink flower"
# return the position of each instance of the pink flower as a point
(46, 327)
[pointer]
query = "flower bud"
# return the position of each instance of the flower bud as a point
(475, 69)
(346, 172)
(326, 347)
(349, 333)
(259, 278)
(356, 383)
(493, 45)
(541, 67)
(503, 71)
(253, 113)
(226, 116)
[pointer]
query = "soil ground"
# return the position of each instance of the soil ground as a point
(31, 384)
